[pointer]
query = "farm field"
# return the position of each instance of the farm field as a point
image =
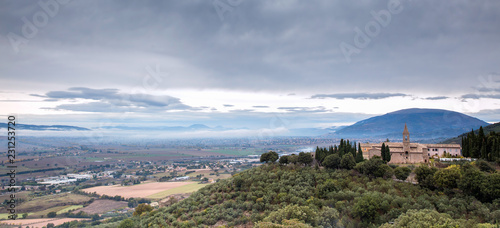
(38, 214)
(4, 170)
(182, 189)
(234, 152)
(171, 152)
(49, 202)
(38, 223)
(102, 206)
(72, 207)
(140, 190)
(204, 172)
(6, 215)
(6, 196)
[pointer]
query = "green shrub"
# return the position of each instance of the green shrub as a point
(402, 173)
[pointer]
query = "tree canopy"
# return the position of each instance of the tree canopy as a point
(270, 156)
(481, 146)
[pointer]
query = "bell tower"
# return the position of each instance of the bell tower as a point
(406, 135)
(406, 143)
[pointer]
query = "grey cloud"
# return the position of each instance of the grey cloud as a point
(360, 96)
(111, 100)
(19, 101)
(85, 93)
(478, 96)
(228, 105)
(488, 115)
(37, 95)
(260, 106)
(90, 107)
(436, 98)
(305, 109)
(242, 110)
(488, 89)
(113, 108)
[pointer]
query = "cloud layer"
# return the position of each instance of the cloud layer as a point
(361, 96)
(290, 46)
(110, 100)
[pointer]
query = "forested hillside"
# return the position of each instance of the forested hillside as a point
(486, 129)
(481, 145)
(295, 195)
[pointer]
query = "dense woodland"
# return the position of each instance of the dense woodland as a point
(338, 189)
(481, 146)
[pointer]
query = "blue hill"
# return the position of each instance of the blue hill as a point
(423, 124)
(45, 127)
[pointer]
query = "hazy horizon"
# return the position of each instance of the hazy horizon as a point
(246, 66)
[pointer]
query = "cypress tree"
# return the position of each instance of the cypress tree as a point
(353, 150)
(470, 147)
(474, 145)
(491, 154)
(348, 147)
(317, 154)
(497, 149)
(359, 155)
(465, 152)
(341, 148)
(387, 153)
(489, 147)
(382, 151)
(494, 149)
(480, 134)
(483, 151)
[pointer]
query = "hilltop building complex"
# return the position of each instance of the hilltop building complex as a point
(407, 152)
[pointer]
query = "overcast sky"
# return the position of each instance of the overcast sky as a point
(242, 63)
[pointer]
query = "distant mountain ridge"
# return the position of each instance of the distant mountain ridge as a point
(45, 127)
(423, 124)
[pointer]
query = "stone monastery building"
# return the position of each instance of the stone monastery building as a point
(406, 152)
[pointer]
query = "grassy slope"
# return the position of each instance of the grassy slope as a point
(182, 189)
(6, 216)
(49, 202)
(69, 208)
